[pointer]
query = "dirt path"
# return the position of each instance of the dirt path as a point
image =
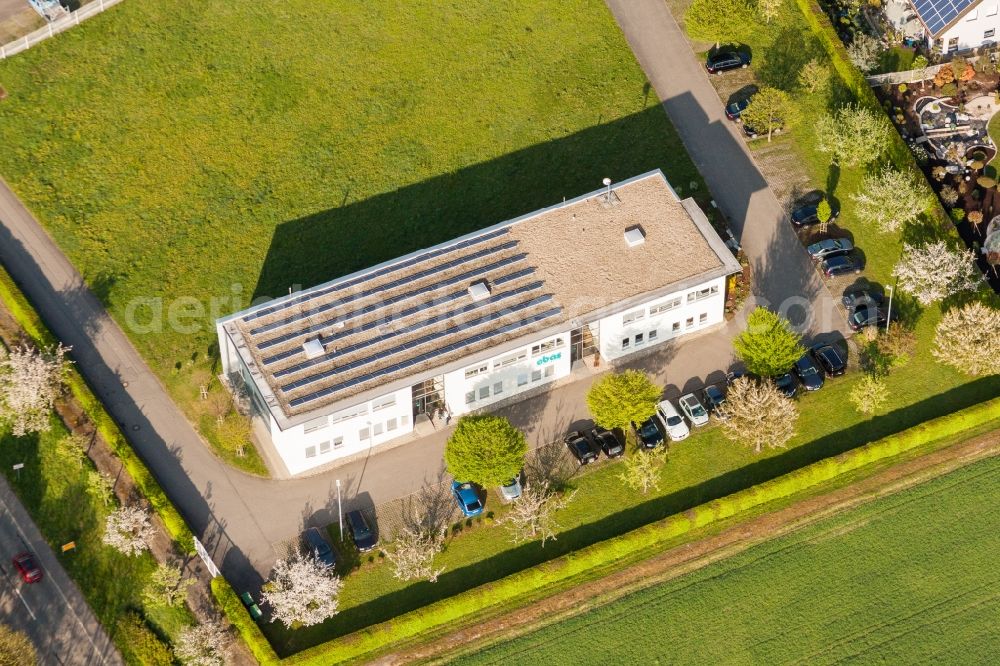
(689, 557)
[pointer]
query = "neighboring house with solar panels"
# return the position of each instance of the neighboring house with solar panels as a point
(958, 25)
(465, 325)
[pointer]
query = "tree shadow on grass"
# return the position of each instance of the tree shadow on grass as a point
(784, 59)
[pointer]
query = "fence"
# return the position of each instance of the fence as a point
(915, 75)
(55, 27)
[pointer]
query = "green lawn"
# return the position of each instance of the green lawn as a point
(220, 151)
(54, 490)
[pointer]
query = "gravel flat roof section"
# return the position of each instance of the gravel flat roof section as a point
(580, 249)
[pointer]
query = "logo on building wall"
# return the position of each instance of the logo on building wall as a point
(548, 358)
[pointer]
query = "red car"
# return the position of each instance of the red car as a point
(28, 568)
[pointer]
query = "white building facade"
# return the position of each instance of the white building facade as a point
(301, 363)
(957, 25)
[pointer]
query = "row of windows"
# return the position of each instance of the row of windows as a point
(547, 346)
(364, 434)
(348, 414)
(484, 392)
(660, 308)
(511, 359)
(640, 339)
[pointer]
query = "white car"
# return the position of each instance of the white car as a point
(677, 429)
(693, 409)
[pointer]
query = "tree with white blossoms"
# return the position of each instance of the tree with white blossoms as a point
(870, 394)
(854, 135)
(128, 530)
(769, 9)
(412, 554)
(30, 382)
(934, 271)
(889, 199)
(758, 415)
(642, 469)
(302, 592)
(167, 585)
(532, 515)
(968, 338)
(864, 52)
(814, 76)
(203, 644)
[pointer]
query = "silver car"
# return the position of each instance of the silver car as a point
(511, 490)
(677, 429)
(693, 409)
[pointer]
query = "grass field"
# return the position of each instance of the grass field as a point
(904, 579)
(218, 151)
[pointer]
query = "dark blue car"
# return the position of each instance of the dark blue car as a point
(808, 373)
(650, 433)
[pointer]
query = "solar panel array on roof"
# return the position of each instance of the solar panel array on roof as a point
(353, 282)
(416, 360)
(937, 14)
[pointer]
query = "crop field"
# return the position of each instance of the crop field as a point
(909, 578)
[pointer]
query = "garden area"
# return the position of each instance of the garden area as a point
(216, 161)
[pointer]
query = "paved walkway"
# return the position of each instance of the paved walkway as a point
(52, 612)
(240, 517)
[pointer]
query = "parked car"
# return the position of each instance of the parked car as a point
(511, 489)
(650, 434)
(805, 215)
(865, 315)
(612, 442)
(28, 568)
(251, 606)
(717, 63)
(693, 409)
(714, 398)
(786, 384)
(840, 265)
(319, 548)
(734, 109)
(808, 373)
(467, 497)
(861, 297)
(677, 429)
(830, 247)
(830, 360)
(582, 448)
(361, 532)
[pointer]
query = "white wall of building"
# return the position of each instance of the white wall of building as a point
(980, 26)
(662, 319)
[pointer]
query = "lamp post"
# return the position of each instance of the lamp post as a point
(888, 316)
(340, 512)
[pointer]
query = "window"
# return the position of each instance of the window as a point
(470, 397)
(701, 294)
(703, 317)
(522, 379)
(989, 33)
(338, 442)
(363, 434)
(664, 307)
(317, 424)
(382, 403)
(625, 343)
(484, 392)
(689, 323)
(377, 429)
(639, 339)
(498, 388)
(324, 447)
(546, 346)
(676, 326)
(536, 375)
(953, 44)
(510, 360)
(472, 372)
(349, 414)
(972, 16)
(404, 419)
(550, 370)
(310, 452)
(651, 335)
(630, 317)
(390, 425)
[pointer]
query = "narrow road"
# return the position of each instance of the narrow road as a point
(52, 612)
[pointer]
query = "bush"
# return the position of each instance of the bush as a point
(957, 214)
(139, 645)
(948, 89)
(238, 616)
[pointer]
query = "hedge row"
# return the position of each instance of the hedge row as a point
(240, 618)
(32, 324)
(654, 536)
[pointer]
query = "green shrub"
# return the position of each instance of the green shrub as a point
(957, 214)
(139, 645)
(238, 616)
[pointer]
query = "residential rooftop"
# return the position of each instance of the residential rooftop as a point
(476, 294)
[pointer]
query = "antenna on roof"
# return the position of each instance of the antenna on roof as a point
(610, 198)
(607, 183)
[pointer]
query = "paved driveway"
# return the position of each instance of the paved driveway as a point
(17, 19)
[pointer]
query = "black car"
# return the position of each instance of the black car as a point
(361, 532)
(724, 60)
(865, 315)
(808, 373)
(650, 434)
(714, 398)
(734, 109)
(582, 448)
(612, 442)
(786, 384)
(840, 265)
(805, 215)
(829, 358)
(319, 548)
(830, 247)
(861, 298)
